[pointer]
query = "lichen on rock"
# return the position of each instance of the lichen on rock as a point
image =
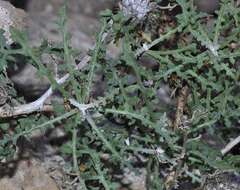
(11, 17)
(135, 8)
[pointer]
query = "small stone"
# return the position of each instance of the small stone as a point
(135, 8)
(222, 181)
(29, 175)
(208, 6)
(135, 181)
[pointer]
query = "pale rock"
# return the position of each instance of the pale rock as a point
(11, 17)
(29, 175)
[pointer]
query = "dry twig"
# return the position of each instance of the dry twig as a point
(230, 145)
(38, 105)
(181, 102)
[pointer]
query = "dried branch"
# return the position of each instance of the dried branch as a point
(181, 102)
(168, 7)
(38, 105)
(230, 145)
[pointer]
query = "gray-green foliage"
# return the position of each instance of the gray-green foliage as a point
(200, 58)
